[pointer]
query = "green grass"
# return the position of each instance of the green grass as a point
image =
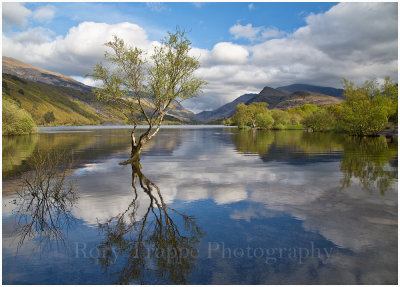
(295, 127)
(69, 106)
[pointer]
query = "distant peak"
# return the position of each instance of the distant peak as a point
(266, 88)
(268, 91)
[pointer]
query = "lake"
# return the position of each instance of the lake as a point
(207, 205)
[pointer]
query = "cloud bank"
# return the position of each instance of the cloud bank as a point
(357, 41)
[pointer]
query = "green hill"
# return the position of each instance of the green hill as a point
(52, 105)
(69, 106)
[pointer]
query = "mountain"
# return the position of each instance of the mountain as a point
(300, 98)
(182, 114)
(68, 105)
(224, 111)
(270, 96)
(333, 92)
(281, 98)
(59, 93)
(17, 68)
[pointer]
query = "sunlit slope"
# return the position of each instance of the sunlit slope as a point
(69, 106)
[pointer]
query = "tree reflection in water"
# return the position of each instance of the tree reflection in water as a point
(45, 200)
(151, 246)
(369, 160)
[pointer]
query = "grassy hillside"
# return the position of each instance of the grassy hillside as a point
(52, 105)
(22, 70)
(69, 106)
(300, 98)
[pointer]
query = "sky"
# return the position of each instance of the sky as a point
(242, 46)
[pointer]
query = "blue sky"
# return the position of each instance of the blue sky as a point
(208, 22)
(242, 46)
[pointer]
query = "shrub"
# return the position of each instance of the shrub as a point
(6, 88)
(16, 121)
(367, 109)
(280, 117)
(319, 120)
(49, 117)
(279, 127)
(264, 120)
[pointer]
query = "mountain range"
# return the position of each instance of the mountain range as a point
(337, 93)
(39, 91)
(281, 98)
(24, 71)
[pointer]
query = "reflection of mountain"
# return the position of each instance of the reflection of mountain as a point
(87, 146)
(369, 160)
(291, 147)
(301, 148)
(290, 156)
(14, 151)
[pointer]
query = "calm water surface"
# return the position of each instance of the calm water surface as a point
(207, 205)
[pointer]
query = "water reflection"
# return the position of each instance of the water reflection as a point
(371, 161)
(252, 141)
(246, 189)
(15, 149)
(44, 201)
(152, 246)
(86, 146)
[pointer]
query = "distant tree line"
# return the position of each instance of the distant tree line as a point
(366, 110)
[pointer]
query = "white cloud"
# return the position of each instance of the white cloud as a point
(44, 13)
(15, 14)
(271, 32)
(357, 41)
(248, 31)
(77, 52)
(251, 6)
(89, 81)
(37, 35)
(229, 53)
(254, 33)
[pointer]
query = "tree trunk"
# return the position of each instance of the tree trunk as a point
(137, 146)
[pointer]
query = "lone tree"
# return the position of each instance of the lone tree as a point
(149, 85)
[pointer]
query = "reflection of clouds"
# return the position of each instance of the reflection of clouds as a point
(105, 191)
(235, 193)
(202, 168)
(206, 166)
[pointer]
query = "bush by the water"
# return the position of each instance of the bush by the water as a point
(366, 110)
(16, 121)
